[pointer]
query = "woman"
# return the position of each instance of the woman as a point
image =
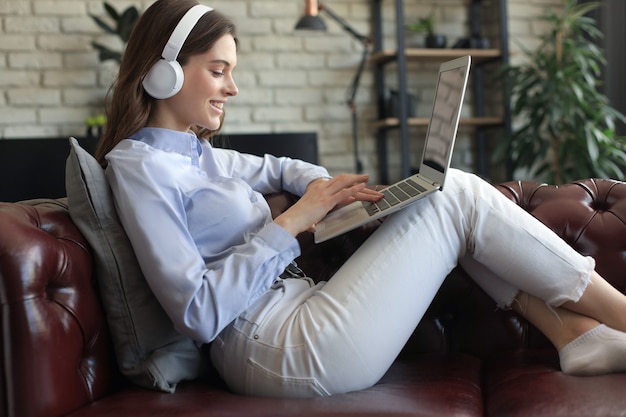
(216, 260)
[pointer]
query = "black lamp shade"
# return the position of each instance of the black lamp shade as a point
(310, 23)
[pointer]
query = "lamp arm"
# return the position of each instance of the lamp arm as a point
(350, 101)
(352, 90)
(344, 25)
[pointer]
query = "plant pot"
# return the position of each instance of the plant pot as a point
(436, 41)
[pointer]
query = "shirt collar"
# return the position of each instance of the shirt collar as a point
(184, 143)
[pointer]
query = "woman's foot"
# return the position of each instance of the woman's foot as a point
(601, 350)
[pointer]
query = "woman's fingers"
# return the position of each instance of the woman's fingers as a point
(336, 189)
(343, 181)
(367, 194)
(322, 196)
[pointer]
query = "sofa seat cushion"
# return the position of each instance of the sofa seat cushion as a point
(528, 382)
(435, 384)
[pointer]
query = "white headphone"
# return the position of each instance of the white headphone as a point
(166, 76)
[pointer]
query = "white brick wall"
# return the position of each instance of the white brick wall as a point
(51, 79)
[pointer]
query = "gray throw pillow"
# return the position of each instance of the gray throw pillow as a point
(149, 350)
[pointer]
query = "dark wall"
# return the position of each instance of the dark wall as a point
(294, 145)
(611, 18)
(35, 168)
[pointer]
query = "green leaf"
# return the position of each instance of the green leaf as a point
(111, 11)
(126, 23)
(578, 12)
(105, 54)
(558, 104)
(103, 25)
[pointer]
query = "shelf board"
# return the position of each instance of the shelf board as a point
(433, 54)
(423, 122)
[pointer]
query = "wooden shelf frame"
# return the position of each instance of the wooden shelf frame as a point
(390, 122)
(479, 56)
(402, 55)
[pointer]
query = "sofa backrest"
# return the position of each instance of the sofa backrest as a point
(54, 353)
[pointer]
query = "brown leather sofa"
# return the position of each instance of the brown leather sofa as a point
(465, 359)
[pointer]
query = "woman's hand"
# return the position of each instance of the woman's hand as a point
(322, 196)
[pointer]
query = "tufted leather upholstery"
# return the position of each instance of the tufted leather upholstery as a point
(589, 215)
(465, 359)
(54, 338)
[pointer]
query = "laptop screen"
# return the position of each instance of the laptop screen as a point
(443, 122)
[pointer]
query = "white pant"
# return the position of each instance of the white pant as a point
(302, 340)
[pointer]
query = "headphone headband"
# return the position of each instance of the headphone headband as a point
(182, 30)
(166, 77)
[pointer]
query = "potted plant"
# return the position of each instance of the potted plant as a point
(123, 25)
(427, 25)
(567, 126)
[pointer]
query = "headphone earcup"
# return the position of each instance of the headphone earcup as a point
(164, 79)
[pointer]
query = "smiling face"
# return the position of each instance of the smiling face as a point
(207, 86)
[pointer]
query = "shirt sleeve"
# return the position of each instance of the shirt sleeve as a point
(270, 174)
(201, 292)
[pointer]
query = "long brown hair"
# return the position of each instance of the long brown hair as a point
(128, 104)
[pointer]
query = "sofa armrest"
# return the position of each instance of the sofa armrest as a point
(54, 349)
(589, 214)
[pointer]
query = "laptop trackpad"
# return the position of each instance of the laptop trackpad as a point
(340, 217)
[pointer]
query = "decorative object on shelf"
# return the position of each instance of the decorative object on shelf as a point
(124, 23)
(567, 124)
(393, 104)
(312, 21)
(483, 118)
(476, 40)
(473, 42)
(94, 125)
(427, 25)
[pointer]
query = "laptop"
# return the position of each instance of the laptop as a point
(434, 165)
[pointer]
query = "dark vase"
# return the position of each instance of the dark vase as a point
(436, 41)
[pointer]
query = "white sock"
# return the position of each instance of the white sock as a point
(601, 350)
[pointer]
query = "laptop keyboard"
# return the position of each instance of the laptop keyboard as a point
(394, 195)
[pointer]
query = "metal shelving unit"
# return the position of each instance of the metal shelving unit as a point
(402, 55)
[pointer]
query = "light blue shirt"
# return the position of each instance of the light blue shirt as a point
(200, 227)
